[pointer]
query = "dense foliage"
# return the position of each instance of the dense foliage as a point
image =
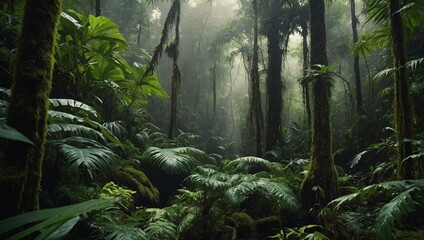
(140, 146)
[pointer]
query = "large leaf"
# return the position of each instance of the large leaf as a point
(402, 205)
(73, 129)
(105, 29)
(51, 222)
(10, 133)
(173, 160)
(71, 103)
(91, 159)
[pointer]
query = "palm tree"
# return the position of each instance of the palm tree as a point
(21, 167)
(320, 184)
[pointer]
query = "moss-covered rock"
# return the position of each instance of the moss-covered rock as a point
(136, 180)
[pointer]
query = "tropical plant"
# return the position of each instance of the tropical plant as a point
(308, 232)
(95, 47)
(390, 206)
(178, 160)
(214, 194)
(52, 223)
(81, 141)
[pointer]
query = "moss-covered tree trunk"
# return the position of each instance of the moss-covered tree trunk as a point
(21, 167)
(403, 105)
(320, 184)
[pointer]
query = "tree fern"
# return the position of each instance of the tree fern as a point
(179, 160)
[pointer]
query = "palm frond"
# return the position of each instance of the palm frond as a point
(71, 103)
(73, 129)
(115, 128)
(54, 221)
(58, 117)
(414, 64)
(92, 159)
(172, 160)
(244, 164)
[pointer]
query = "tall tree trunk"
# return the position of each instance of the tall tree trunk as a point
(98, 8)
(359, 107)
(275, 100)
(22, 165)
(173, 52)
(256, 94)
(403, 105)
(320, 184)
(305, 67)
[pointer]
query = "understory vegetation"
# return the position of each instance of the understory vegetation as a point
(243, 129)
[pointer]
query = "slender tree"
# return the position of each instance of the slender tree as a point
(255, 114)
(172, 19)
(274, 86)
(173, 53)
(403, 105)
(98, 8)
(22, 165)
(359, 107)
(305, 84)
(320, 184)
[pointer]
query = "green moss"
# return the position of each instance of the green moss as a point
(245, 224)
(136, 180)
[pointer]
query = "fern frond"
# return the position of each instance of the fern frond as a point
(398, 207)
(384, 73)
(385, 189)
(282, 194)
(161, 228)
(209, 179)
